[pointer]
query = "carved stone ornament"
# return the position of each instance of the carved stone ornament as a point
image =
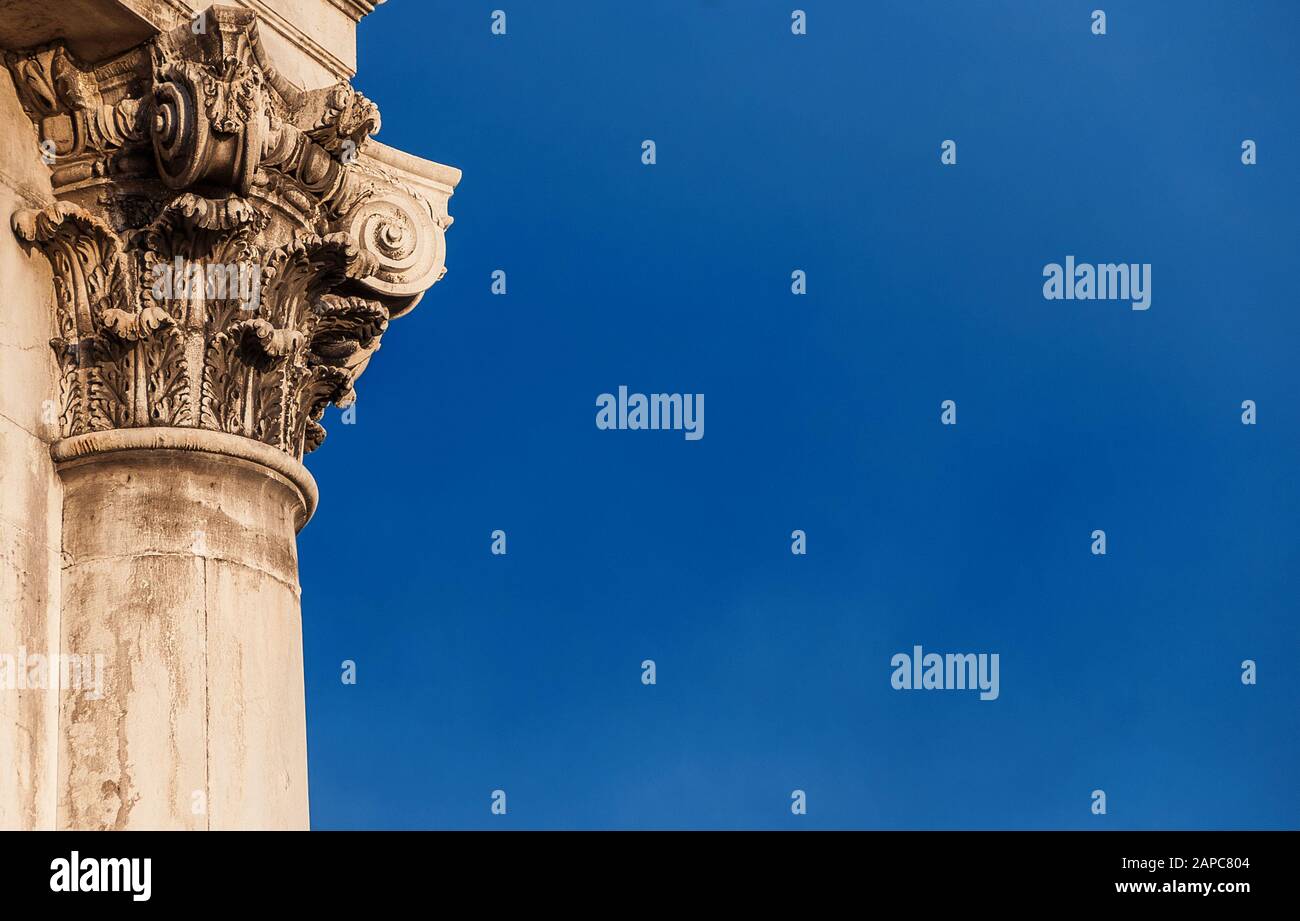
(227, 248)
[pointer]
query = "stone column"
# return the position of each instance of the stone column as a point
(227, 251)
(182, 564)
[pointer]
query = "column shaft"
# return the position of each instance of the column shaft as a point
(180, 570)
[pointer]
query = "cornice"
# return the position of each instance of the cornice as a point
(304, 42)
(355, 10)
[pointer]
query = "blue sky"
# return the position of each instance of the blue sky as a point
(820, 152)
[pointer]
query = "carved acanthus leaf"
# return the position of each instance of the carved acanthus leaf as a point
(130, 327)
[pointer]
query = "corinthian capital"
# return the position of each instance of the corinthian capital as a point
(228, 249)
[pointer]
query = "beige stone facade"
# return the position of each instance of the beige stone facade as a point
(205, 247)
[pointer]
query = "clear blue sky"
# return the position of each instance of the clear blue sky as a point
(775, 152)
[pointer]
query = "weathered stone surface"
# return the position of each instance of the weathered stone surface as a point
(257, 721)
(130, 759)
(30, 493)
